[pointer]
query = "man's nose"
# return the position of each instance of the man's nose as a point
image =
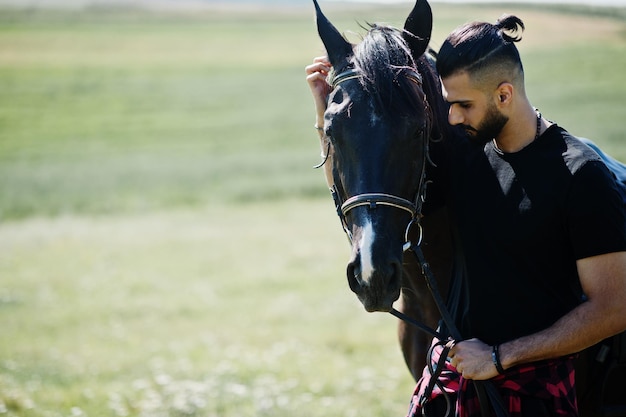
(454, 116)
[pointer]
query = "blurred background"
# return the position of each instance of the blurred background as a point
(166, 248)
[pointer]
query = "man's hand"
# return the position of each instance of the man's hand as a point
(472, 359)
(316, 74)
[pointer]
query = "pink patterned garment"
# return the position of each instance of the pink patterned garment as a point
(552, 381)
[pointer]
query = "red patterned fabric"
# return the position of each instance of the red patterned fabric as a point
(551, 381)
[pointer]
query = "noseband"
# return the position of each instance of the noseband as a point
(373, 200)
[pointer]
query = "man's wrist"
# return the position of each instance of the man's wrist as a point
(495, 357)
(319, 124)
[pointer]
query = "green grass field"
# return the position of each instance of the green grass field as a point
(166, 248)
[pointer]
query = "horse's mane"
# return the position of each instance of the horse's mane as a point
(382, 57)
(432, 87)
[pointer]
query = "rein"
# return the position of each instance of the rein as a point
(485, 389)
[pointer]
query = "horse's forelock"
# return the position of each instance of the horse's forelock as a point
(381, 57)
(382, 51)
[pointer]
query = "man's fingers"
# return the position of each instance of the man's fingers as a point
(318, 67)
(323, 59)
(320, 64)
(315, 76)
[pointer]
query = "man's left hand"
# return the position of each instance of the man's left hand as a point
(472, 359)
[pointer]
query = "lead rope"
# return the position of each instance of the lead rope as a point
(485, 390)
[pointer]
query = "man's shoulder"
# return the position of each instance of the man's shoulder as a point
(575, 151)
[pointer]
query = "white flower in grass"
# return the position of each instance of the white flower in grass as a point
(76, 412)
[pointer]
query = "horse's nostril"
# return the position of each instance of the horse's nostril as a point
(354, 276)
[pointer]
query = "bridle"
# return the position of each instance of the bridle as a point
(414, 208)
(486, 391)
(375, 199)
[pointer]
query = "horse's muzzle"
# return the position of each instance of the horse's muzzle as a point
(380, 289)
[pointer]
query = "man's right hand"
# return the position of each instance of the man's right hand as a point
(316, 74)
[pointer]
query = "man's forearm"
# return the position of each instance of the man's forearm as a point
(583, 327)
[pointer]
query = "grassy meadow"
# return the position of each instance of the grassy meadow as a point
(166, 248)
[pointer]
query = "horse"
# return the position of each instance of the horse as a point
(388, 88)
(384, 108)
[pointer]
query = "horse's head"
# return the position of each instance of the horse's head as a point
(377, 125)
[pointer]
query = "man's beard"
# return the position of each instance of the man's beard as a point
(489, 127)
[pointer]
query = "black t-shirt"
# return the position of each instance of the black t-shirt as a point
(521, 220)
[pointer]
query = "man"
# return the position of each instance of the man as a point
(541, 225)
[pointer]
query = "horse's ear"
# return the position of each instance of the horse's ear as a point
(337, 47)
(419, 24)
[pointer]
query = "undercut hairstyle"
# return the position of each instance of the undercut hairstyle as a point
(486, 51)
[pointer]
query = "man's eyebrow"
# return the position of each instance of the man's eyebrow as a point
(458, 101)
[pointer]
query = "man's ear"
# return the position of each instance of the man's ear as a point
(504, 94)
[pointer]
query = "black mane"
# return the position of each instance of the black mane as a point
(383, 58)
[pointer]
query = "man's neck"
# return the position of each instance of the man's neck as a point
(520, 131)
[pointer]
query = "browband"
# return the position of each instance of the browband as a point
(352, 74)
